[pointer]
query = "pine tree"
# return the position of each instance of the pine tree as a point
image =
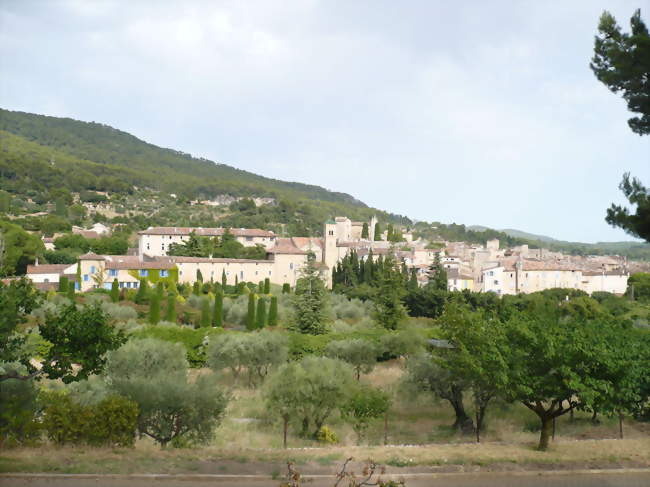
(260, 315)
(60, 207)
(377, 236)
(115, 291)
(250, 317)
(273, 311)
(142, 295)
(217, 310)
(63, 284)
(205, 313)
(364, 231)
(154, 309)
(267, 286)
(171, 308)
(286, 288)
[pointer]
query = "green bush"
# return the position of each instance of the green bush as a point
(191, 338)
(302, 344)
(326, 435)
(18, 406)
(110, 422)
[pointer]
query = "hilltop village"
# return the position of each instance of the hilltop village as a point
(478, 268)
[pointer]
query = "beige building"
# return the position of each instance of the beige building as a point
(156, 240)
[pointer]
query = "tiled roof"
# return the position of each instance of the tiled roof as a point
(128, 262)
(91, 256)
(86, 233)
(206, 232)
(305, 242)
(286, 246)
(47, 268)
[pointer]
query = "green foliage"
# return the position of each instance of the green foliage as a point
(170, 313)
(205, 312)
(640, 283)
(286, 288)
(110, 422)
(310, 300)
(154, 308)
(364, 405)
(267, 285)
(359, 353)
(260, 314)
(192, 339)
(142, 296)
(364, 231)
(327, 436)
(638, 223)
(389, 310)
(622, 61)
(80, 337)
(18, 248)
(217, 310)
(115, 291)
(250, 316)
(172, 408)
(377, 236)
(273, 311)
(309, 391)
(256, 353)
(18, 409)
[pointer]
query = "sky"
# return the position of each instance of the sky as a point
(470, 112)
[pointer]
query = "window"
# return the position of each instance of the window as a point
(291, 265)
(121, 285)
(112, 272)
(241, 274)
(46, 280)
(144, 273)
(269, 273)
(255, 272)
(92, 269)
(491, 273)
(85, 277)
(331, 232)
(496, 283)
(164, 273)
(147, 246)
(249, 239)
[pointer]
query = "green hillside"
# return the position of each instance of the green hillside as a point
(43, 158)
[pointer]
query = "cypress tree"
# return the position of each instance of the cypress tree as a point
(250, 317)
(63, 284)
(60, 208)
(171, 308)
(286, 289)
(115, 291)
(377, 236)
(267, 286)
(224, 278)
(260, 287)
(143, 292)
(260, 315)
(413, 282)
(236, 280)
(367, 269)
(154, 309)
(79, 274)
(205, 313)
(273, 311)
(196, 288)
(364, 231)
(160, 290)
(71, 291)
(217, 311)
(199, 276)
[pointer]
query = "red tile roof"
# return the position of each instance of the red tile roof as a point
(286, 246)
(47, 268)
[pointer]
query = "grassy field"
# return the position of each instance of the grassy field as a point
(249, 441)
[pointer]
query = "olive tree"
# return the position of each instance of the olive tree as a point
(359, 353)
(364, 405)
(256, 353)
(172, 408)
(309, 391)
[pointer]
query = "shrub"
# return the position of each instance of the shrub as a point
(303, 345)
(326, 435)
(119, 313)
(18, 407)
(110, 422)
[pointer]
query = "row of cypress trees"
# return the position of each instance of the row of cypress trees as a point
(257, 315)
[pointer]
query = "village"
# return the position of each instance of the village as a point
(477, 268)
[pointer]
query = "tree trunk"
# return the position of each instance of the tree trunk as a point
(386, 428)
(620, 425)
(553, 435)
(545, 433)
(594, 417)
(463, 422)
(571, 415)
(305, 427)
(285, 427)
(478, 426)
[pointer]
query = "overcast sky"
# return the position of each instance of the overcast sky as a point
(474, 112)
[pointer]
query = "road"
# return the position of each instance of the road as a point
(542, 479)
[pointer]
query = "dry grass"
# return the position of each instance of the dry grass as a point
(250, 441)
